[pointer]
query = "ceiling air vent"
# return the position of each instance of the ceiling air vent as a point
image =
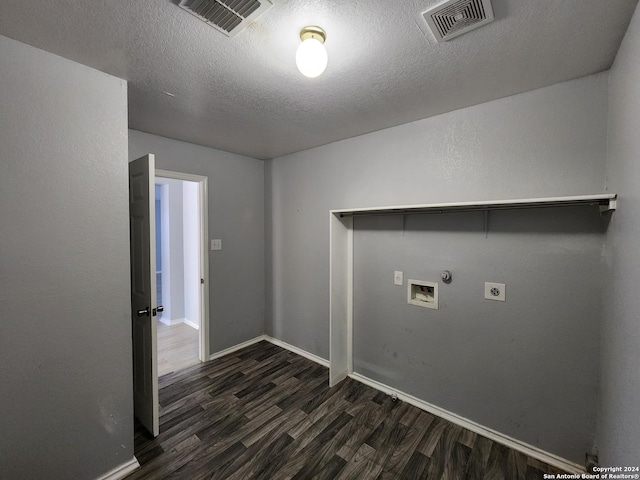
(228, 16)
(455, 17)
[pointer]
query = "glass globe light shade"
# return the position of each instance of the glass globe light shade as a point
(311, 57)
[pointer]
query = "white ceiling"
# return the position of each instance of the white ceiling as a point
(245, 95)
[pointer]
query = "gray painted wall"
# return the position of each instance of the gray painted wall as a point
(618, 437)
(527, 367)
(236, 215)
(65, 331)
(549, 142)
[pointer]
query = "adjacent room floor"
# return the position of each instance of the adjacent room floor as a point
(266, 413)
(178, 347)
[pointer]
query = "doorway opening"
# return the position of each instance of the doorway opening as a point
(182, 333)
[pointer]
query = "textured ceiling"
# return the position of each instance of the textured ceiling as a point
(245, 95)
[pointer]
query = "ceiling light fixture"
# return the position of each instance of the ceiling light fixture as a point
(311, 56)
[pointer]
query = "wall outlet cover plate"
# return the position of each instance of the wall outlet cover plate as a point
(495, 291)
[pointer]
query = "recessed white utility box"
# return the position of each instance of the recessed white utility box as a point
(422, 293)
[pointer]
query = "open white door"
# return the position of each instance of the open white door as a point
(143, 291)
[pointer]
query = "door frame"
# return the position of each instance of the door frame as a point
(203, 196)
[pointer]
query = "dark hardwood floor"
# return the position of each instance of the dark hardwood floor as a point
(266, 413)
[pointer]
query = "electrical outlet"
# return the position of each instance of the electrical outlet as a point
(216, 244)
(397, 278)
(495, 291)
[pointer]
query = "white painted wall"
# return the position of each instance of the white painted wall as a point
(65, 319)
(165, 242)
(173, 280)
(236, 215)
(618, 438)
(176, 250)
(181, 277)
(191, 254)
(544, 143)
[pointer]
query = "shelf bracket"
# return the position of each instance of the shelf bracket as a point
(610, 207)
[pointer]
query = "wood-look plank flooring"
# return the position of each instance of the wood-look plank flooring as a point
(266, 413)
(178, 347)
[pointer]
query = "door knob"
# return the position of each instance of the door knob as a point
(160, 308)
(143, 312)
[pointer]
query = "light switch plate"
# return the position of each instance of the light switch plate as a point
(216, 244)
(495, 291)
(397, 278)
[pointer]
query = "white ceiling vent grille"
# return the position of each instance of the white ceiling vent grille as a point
(228, 16)
(455, 17)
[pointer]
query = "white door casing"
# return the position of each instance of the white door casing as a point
(340, 297)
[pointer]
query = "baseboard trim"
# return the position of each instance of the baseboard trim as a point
(191, 324)
(298, 351)
(235, 348)
(275, 341)
(170, 322)
(121, 471)
(497, 437)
